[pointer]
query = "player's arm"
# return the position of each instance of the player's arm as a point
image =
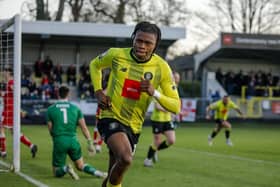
(49, 123)
(240, 112)
(208, 109)
(169, 98)
(85, 131)
(159, 107)
(83, 126)
(237, 109)
(96, 65)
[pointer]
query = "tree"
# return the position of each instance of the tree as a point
(39, 10)
(249, 16)
(41, 13)
(76, 8)
(243, 16)
(29, 10)
(108, 10)
(162, 12)
(168, 12)
(60, 10)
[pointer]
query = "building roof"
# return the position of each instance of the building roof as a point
(182, 62)
(241, 46)
(82, 29)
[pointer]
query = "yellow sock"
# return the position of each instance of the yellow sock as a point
(111, 185)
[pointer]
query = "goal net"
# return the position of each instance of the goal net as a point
(10, 59)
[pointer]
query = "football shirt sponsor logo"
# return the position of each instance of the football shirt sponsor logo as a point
(131, 89)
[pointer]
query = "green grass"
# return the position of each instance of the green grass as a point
(253, 161)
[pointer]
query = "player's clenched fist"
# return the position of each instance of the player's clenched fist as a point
(104, 102)
(146, 86)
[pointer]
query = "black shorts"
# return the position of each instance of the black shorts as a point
(161, 127)
(109, 126)
(219, 122)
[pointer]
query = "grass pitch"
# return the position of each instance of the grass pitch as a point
(253, 161)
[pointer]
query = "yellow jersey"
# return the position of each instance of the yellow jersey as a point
(221, 110)
(129, 104)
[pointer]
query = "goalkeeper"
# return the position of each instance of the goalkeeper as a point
(62, 120)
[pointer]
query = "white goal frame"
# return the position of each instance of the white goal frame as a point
(14, 25)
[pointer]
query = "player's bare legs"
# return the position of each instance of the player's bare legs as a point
(169, 140)
(214, 133)
(120, 146)
(227, 127)
(97, 140)
(170, 137)
(157, 139)
(28, 143)
(159, 145)
(3, 142)
(81, 166)
(226, 124)
(112, 161)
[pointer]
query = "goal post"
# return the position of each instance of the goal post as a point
(10, 56)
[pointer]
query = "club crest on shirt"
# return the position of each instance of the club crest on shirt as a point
(124, 69)
(148, 76)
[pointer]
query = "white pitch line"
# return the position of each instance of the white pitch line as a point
(26, 177)
(234, 157)
(30, 179)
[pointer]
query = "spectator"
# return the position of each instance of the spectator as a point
(38, 66)
(230, 85)
(24, 81)
(57, 72)
(84, 68)
(47, 66)
(259, 82)
(251, 87)
(71, 75)
(27, 72)
(276, 93)
(239, 80)
(220, 77)
(216, 96)
(34, 95)
(45, 80)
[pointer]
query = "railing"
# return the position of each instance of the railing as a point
(269, 90)
(253, 105)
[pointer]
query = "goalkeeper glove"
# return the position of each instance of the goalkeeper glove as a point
(90, 147)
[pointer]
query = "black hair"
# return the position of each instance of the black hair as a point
(145, 26)
(63, 92)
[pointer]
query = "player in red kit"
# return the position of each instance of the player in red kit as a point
(97, 139)
(7, 116)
